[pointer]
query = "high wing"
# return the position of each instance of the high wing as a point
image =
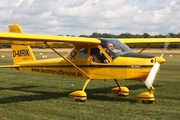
(149, 40)
(36, 39)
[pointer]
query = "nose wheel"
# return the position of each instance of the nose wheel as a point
(79, 100)
(147, 101)
(147, 97)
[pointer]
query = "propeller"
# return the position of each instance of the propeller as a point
(152, 74)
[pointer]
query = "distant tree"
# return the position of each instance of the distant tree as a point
(146, 35)
(125, 35)
(105, 35)
(95, 35)
(159, 36)
(59, 35)
(71, 35)
(84, 35)
(172, 35)
(178, 35)
(138, 36)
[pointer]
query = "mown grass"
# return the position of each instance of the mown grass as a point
(27, 96)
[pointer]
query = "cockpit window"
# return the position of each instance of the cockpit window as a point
(119, 48)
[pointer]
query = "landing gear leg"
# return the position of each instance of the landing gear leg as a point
(119, 88)
(120, 91)
(80, 95)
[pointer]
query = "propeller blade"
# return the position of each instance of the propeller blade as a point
(166, 44)
(151, 76)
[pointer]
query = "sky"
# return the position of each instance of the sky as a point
(84, 17)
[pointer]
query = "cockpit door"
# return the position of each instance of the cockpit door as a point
(98, 70)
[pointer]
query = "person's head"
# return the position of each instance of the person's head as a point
(109, 46)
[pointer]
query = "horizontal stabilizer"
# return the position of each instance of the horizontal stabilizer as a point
(10, 66)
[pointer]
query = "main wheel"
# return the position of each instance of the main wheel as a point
(147, 101)
(78, 100)
(119, 94)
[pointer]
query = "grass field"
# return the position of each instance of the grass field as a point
(30, 96)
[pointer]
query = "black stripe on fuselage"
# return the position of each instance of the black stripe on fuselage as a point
(134, 55)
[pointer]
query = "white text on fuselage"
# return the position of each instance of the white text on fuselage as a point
(135, 66)
(19, 53)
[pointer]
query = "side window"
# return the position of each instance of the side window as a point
(95, 54)
(84, 52)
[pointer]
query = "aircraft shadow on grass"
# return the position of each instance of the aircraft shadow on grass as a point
(139, 86)
(38, 95)
(101, 94)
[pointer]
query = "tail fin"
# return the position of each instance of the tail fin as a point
(21, 53)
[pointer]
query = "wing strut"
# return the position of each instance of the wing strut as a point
(144, 48)
(67, 60)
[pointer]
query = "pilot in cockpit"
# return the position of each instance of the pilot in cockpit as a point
(109, 51)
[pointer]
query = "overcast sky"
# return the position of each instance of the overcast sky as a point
(78, 17)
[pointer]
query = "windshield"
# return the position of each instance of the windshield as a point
(119, 48)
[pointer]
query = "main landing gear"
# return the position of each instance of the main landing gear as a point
(120, 91)
(80, 95)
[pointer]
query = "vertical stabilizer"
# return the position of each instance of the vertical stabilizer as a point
(20, 53)
(15, 28)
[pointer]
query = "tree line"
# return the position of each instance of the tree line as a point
(124, 35)
(145, 35)
(128, 35)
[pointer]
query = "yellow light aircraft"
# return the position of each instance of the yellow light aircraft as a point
(83, 61)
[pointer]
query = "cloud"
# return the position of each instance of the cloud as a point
(77, 17)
